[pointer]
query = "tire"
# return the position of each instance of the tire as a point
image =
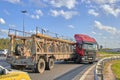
(50, 64)
(90, 62)
(13, 67)
(40, 66)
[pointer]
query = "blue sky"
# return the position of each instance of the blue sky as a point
(97, 18)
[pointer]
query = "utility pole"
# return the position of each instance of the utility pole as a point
(24, 11)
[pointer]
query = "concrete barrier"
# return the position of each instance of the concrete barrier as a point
(98, 72)
(2, 58)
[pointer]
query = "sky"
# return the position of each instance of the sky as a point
(99, 19)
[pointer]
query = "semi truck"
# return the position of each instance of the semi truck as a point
(86, 48)
(38, 51)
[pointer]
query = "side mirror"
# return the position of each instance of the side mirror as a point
(80, 46)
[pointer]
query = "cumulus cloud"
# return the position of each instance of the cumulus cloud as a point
(12, 26)
(92, 12)
(65, 14)
(101, 1)
(37, 14)
(93, 32)
(109, 7)
(63, 3)
(2, 21)
(3, 31)
(109, 29)
(111, 10)
(105, 1)
(37, 3)
(71, 26)
(13, 1)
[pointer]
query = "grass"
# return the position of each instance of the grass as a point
(115, 63)
(107, 54)
(116, 69)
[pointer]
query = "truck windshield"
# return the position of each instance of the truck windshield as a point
(89, 46)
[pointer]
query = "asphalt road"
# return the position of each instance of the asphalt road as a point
(61, 71)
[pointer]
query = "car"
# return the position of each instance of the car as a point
(3, 53)
(9, 74)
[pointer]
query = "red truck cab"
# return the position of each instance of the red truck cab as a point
(86, 48)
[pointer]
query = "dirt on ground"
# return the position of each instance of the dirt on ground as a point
(108, 74)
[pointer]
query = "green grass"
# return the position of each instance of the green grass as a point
(116, 69)
(107, 54)
(115, 63)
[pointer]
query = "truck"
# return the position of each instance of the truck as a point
(86, 48)
(38, 51)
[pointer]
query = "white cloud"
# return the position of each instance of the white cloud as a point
(65, 14)
(111, 10)
(92, 12)
(71, 26)
(93, 32)
(12, 26)
(63, 3)
(2, 21)
(101, 1)
(3, 31)
(37, 14)
(105, 1)
(37, 3)
(109, 29)
(108, 6)
(13, 1)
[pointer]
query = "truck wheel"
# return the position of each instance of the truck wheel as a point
(13, 67)
(40, 66)
(50, 64)
(90, 62)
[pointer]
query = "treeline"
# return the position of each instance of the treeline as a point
(4, 43)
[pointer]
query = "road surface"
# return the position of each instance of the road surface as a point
(61, 71)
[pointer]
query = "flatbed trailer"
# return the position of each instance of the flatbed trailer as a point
(37, 51)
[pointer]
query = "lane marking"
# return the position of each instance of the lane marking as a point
(85, 74)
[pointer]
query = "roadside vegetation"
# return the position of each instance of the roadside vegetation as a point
(115, 63)
(102, 54)
(115, 68)
(4, 42)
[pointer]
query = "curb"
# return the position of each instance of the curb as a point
(98, 72)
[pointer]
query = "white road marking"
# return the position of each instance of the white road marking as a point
(85, 74)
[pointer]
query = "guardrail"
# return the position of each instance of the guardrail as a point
(98, 72)
(2, 58)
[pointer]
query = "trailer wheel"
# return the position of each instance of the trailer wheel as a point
(90, 62)
(50, 64)
(13, 67)
(40, 66)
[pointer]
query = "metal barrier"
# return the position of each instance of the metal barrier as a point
(2, 58)
(98, 72)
